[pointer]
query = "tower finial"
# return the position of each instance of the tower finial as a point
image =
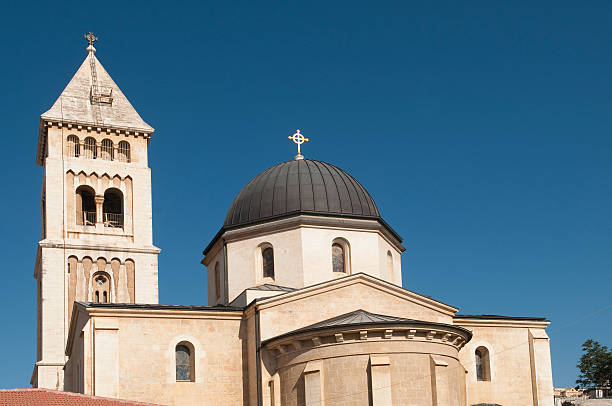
(91, 38)
(298, 138)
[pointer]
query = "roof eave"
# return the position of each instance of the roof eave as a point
(271, 219)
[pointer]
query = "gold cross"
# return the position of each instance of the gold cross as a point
(91, 38)
(298, 138)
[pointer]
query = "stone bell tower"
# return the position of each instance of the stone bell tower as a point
(96, 226)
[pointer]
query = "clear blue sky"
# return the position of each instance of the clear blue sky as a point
(483, 133)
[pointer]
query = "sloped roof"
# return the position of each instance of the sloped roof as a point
(357, 317)
(138, 306)
(498, 317)
(47, 397)
(363, 318)
(272, 287)
(74, 103)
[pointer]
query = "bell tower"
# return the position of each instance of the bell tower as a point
(96, 218)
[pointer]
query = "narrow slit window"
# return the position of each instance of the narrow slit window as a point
(338, 258)
(268, 262)
(483, 368)
(217, 281)
(184, 363)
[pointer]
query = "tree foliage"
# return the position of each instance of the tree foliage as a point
(595, 365)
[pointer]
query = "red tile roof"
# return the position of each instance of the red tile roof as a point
(47, 397)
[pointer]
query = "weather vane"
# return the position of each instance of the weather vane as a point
(298, 138)
(91, 38)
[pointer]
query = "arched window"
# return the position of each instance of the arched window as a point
(483, 366)
(112, 208)
(389, 266)
(106, 151)
(101, 287)
(338, 258)
(89, 147)
(74, 149)
(267, 256)
(185, 366)
(217, 281)
(124, 151)
(85, 206)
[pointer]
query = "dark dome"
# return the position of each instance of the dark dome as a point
(300, 186)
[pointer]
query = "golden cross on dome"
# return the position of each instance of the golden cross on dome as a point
(298, 138)
(91, 38)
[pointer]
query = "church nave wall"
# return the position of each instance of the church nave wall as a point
(507, 377)
(144, 343)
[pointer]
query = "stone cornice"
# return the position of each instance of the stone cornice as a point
(98, 128)
(165, 314)
(137, 250)
(416, 332)
(502, 322)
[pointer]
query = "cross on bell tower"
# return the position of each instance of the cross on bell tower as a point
(91, 38)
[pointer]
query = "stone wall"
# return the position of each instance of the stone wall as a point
(143, 344)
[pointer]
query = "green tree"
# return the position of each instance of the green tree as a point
(595, 365)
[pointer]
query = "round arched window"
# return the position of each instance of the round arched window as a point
(338, 258)
(267, 255)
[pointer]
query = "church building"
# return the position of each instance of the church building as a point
(305, 297)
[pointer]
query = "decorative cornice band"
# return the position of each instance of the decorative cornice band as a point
(51, 244)
(99, 128)
(500, 323)
(451, 336)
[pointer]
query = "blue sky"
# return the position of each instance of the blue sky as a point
(483, 132)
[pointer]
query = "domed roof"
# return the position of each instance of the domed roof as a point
(300, 186)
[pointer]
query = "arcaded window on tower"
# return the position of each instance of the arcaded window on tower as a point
(106, 150)
(112, 208)
(101, 288)
(267, 255)
(483, 367)
(85, 206)
(123, 151)
(185, 366)
(89, 148)
(74, 149)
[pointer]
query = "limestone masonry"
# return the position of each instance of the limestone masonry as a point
(304, 288)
